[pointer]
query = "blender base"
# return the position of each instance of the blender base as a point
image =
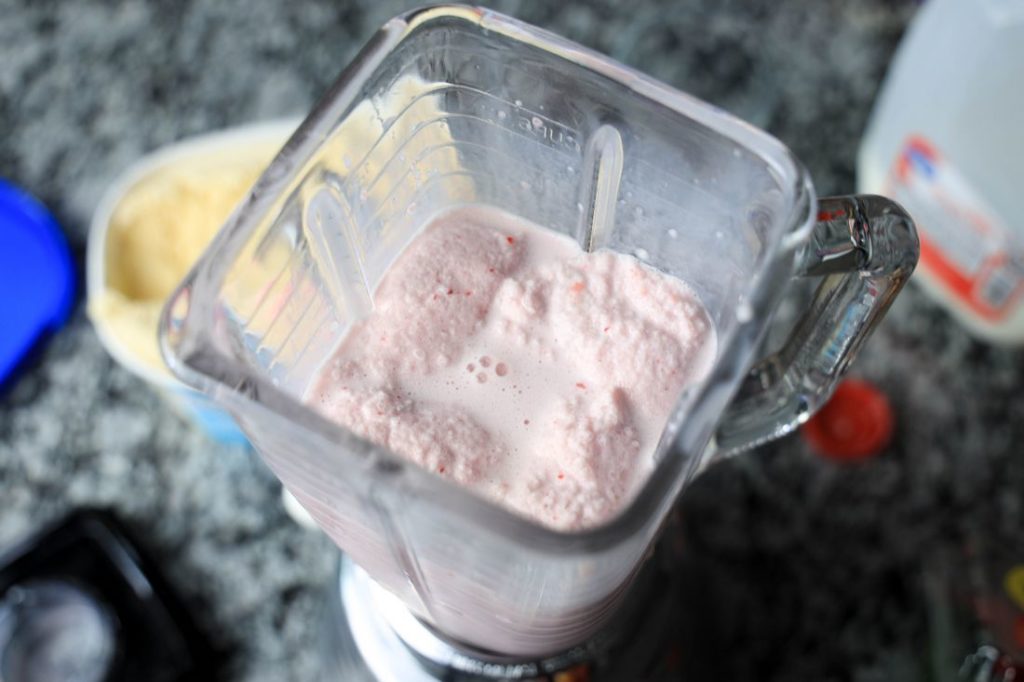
(371, 636)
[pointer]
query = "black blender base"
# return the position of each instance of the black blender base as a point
(371, 637)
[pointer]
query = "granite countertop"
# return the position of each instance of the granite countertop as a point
(809, 569)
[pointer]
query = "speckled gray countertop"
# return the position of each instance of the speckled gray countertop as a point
(810, 571)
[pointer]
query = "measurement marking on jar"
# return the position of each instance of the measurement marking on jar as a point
(554, 134)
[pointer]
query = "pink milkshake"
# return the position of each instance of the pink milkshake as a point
(502, 356)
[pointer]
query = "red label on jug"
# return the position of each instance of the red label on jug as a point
(964, 244)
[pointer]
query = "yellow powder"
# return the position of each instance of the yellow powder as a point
(158, 231)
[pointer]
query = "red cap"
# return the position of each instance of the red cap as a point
(855, 424)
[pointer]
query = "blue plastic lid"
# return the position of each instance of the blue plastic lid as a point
(36, 276)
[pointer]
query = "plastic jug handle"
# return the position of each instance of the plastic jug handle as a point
(865, 248)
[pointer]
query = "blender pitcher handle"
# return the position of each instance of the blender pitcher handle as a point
(865, 248)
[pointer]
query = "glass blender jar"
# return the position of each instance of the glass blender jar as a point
(455, 106)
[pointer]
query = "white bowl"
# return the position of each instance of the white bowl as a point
(186, 401)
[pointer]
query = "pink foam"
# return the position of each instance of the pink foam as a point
(500, 355)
